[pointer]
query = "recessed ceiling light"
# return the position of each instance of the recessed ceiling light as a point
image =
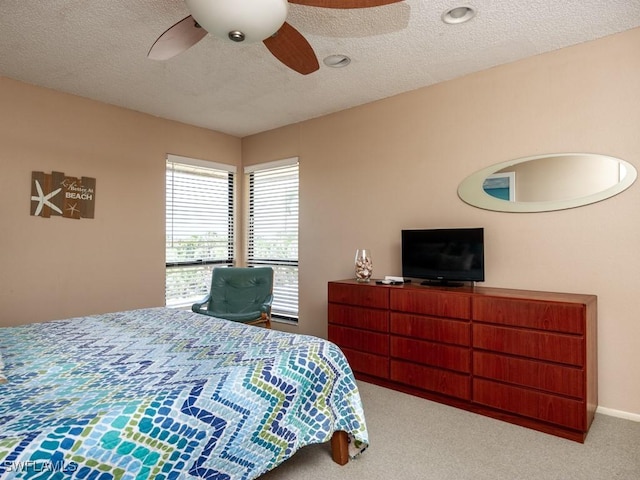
(458, 15)
(337, 61)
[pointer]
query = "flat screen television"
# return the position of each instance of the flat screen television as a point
(445, 256)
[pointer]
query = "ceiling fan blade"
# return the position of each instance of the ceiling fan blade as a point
(176, 39)
(291, 48)
(344, 3)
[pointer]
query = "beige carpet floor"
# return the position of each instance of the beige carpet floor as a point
(412, 438)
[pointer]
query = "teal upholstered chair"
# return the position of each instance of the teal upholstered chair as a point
(239, 294)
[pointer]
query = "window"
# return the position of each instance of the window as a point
(199, 226)
(272, 236)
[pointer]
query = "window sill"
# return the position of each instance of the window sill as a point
(285, 320)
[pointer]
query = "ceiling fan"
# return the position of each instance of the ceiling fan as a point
(249, 21)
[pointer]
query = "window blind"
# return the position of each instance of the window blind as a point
(273, 231)
(199, 228)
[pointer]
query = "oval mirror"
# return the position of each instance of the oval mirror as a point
(547, 182)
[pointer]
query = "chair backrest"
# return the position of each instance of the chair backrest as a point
(240, 289)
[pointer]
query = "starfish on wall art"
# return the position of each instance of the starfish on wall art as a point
(43, 200)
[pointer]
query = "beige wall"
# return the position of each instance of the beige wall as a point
(57, 267)
(368, 172)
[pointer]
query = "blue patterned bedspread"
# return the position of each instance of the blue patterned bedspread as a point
(164, 394)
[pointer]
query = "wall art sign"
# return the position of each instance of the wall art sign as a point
(56, 194)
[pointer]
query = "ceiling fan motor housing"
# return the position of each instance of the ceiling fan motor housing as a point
(240, 20)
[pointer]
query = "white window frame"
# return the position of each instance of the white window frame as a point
(188, 274)
(285, 306)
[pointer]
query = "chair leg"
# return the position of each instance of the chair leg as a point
(263, 320)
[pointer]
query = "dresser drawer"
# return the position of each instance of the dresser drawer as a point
(358, 317)
(430, 353)
(550, 377)
(551, 316)
(431, 328)
(554, 347)
(373, 296)
(367, 363)
(530, 403)
(430, 302)
(371, 342)
(432, 379)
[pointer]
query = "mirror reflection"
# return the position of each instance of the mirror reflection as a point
(547, 182)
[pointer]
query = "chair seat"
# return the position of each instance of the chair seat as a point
(240, 317)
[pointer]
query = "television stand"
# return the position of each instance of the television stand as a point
(441, 283)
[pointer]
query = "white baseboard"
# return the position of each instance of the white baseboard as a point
(618, 413)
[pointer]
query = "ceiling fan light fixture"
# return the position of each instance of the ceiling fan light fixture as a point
(240, 20)
(236, 36)
(458, 15)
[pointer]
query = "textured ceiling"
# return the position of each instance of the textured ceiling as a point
(97, 49)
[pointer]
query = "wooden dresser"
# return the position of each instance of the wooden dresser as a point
(521, 356)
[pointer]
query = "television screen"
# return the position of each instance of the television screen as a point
(443, 255)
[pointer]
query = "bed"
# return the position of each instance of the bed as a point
(167, 394)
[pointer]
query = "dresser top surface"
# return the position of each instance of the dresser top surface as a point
(484, 291)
